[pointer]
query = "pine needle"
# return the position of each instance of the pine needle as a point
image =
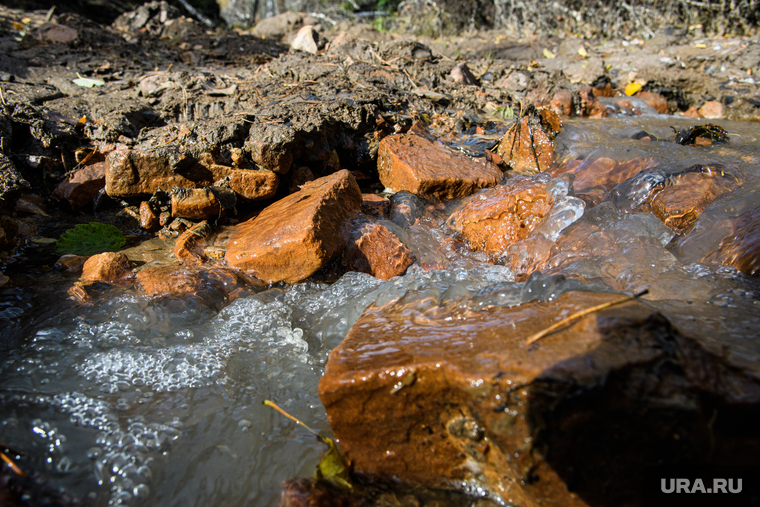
(294, 419)
(12, 465)
(577, 315)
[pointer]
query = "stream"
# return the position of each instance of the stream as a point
(137, 400)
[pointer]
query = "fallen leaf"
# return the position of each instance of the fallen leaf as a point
(700, 46)
(85, 82)
(333, 467)
(548, 54)
(632, 89)
(582, 52)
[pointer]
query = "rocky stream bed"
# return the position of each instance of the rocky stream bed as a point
(370, 229)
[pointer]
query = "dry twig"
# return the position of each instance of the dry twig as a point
(577, 315)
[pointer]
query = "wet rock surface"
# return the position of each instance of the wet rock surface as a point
(415, 163)
(377, 251)
(293, 238)
(411, 392)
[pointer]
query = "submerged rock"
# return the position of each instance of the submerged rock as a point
(450, 397)
(107, 267)
(188, 248)
(294, 237)
(496, 218)
(415, 162)
(741, 249)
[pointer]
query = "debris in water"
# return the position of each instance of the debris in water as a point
(692, 135)
(333, 467)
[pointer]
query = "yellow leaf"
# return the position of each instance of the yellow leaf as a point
(632, 89)
(700, 46)
(582, 52)
(26, 21)
(17, 25)
(548, 54)
(607, 67)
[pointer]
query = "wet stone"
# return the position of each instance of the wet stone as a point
(80, 188)
(712, 110)
(196, 204)
(415, 162)
(296, 236)
(375, 205)
(133, 173)
(741, 249)
(528, 145)
(496, 218)
(189, 246)
(107, 267)
(446, 396)
(149, 218)
(377, 251)
(656, 101)
(70, 263)
(679, 205)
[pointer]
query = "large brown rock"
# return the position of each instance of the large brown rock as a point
(496, 218)
(294, 237)
(655, 100)
(528, 145)
(82, 186)
(415, 162)
(107, 267)
(447, 396)
(132, 173)
(377, 251)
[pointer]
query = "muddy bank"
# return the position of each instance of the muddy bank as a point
(394, 202)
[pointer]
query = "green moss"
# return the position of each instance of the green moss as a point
(90, 239)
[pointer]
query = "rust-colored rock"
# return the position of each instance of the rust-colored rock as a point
(377, 251)
(294, 237)
(133, 173)
(168, 280)
(742, 248)
(188, 248)
(590, 106)
(107, 267)
(562, 102)
(655, 100)
(692, 112)
(70, 263)
(712, 110)
(595, 179)
(528, 145)
(196, 204)
(149, 217)
(415, 162)
(375, 205)
(679, 205)
(496, 218)
(447, 396)
(82, 186)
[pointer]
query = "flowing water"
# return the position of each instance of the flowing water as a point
(158, 402)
